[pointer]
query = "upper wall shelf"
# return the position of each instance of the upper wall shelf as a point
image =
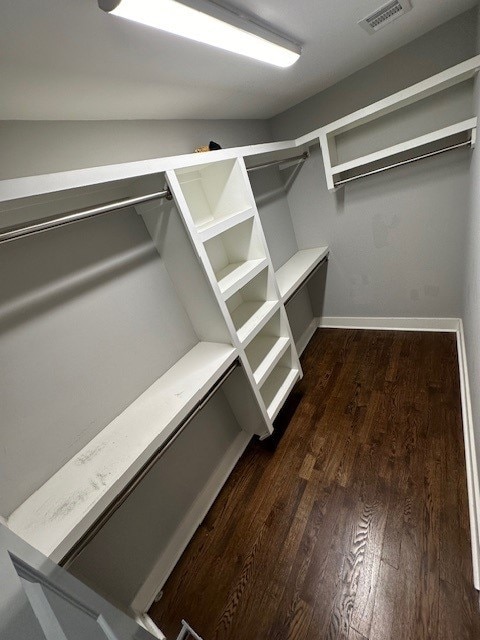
(416, 92)
(30, 186)
(56, 516)
(296, 271)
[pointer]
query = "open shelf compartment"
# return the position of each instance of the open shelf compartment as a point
(451, 137)
(268, 346)
(279, 383)
(214, 192)
(236, 256)
(253, 305)
(55, 517)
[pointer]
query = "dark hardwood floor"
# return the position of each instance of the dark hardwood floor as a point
(356, 525)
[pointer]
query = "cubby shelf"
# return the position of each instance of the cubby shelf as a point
(54, 517)
(277, 387)
(212, 229)
(295, 271)
(249, 317)
(235, 276)
(266, 352)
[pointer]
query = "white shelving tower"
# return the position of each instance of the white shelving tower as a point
(218, 208)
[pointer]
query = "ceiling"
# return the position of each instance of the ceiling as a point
(67, 60)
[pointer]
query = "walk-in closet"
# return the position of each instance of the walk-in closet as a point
(239, 319)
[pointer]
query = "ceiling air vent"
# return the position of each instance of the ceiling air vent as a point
(385, 14)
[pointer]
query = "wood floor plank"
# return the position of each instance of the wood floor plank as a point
(355, 526)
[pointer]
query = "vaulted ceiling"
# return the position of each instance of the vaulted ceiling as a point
(66, 59)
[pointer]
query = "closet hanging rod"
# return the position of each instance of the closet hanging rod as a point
(300, 158)
(307, 278)
(402, 162)
(104, 517)
(38, 226)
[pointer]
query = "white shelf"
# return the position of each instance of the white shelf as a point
(410, 95)
(294, 272)
(277, 387)
(60, 511)
(434, 136)
(212, 229)
(267, 352)
(250, 317)
(235, 276)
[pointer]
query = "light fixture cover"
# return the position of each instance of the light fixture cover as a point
(209, 23)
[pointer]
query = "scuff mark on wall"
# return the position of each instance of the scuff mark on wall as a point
(431, 290)
(382, 229)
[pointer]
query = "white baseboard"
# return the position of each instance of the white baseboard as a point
(190, 523)
(306, 336)
(389, 324)
(470, 456)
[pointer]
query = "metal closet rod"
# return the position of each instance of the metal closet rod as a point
(409, 161)
(38, 226)
(300, 158)
(117, 502)
(307, 278)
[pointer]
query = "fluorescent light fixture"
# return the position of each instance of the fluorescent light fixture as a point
(209, 23)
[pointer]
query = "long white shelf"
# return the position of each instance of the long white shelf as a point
(295, 271)
(277, 387)
(440, 81)
(54, 517)
(235, 276)
(414, 143)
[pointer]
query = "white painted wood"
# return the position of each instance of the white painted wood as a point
(418, 91)
(171, 554)
(249, 317)
(147, 623)
(267, 352)
(53, 182)
(389, 324)
(41, 601)
(60, 511)
(191, 285)
(236, 275)
(212, 229)
(434, 136)
(291, 275)
(410, 95)
(277, 388)
(206, 262)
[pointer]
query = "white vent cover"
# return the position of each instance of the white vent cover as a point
(385, 14)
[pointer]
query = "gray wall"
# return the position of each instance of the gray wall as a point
(395, 238)
(438, 49)
(471, 301)
(83, 318)
(31, 148)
